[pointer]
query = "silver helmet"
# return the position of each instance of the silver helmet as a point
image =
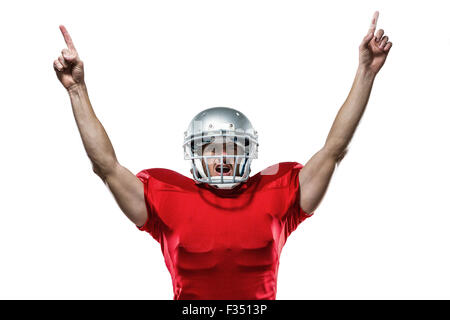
(221, 124)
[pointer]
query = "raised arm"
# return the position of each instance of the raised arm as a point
(317, 172)
(126, 188)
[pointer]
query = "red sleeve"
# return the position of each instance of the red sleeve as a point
(295, 214)
(153, 225)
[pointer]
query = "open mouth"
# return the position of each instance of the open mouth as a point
(227, 169)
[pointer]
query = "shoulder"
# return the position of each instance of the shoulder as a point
(281, 168)
(279, 174)
(165, 178)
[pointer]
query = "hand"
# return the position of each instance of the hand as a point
(68, 66)
(374, 48)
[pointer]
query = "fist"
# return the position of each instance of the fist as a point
(69, 67)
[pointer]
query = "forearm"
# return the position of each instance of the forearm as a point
(94, 137)
(350, 113)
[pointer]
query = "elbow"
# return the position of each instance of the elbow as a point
(336, 153)
(104, 169)
(341, 156)
(98, 172)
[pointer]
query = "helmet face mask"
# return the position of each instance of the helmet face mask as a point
(221, 143)
(227, 165)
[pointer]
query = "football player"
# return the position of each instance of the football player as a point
(222, 232)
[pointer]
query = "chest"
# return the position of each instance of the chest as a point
(243, 235)
(201, 222)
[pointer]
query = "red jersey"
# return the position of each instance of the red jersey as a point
(223, 244)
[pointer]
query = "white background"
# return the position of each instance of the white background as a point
(381, 230)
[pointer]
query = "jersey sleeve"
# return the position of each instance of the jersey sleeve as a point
(295, 214)
(153, 225)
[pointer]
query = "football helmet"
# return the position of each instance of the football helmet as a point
(214, 127)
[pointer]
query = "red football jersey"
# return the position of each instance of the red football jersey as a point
(223, 243)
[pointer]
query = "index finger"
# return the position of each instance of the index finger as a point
(67, 38)
(373, 25)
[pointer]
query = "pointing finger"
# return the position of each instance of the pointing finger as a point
(373, 25)
(67, 38)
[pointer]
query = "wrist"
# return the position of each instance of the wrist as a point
(76, 88)
(365, 73)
